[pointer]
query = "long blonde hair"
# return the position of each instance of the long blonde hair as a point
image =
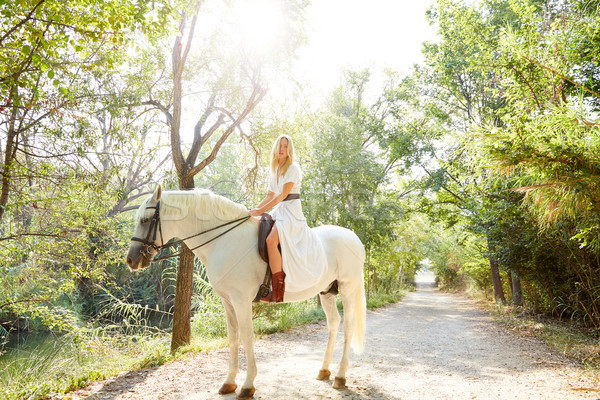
(275, 154)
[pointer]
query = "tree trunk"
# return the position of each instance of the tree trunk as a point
(9, 156)
(182, 313)
(498, 291)
(517, 293)
(182, 330)
(187, 167)
(368, 263)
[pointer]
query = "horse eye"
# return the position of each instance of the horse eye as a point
(144, 220)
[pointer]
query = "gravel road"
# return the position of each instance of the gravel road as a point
(431, 345)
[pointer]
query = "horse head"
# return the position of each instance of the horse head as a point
(147, 238)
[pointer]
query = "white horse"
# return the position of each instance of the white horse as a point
(235, 271)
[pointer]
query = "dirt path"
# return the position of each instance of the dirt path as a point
(429, 346)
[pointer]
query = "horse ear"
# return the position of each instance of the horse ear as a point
(157, 194)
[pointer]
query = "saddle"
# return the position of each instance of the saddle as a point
(264, 228)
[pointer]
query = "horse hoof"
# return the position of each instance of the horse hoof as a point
(228, 388)
(339, 383)
(324, 375)
(246, 393)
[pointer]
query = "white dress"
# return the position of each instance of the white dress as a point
(303, 255)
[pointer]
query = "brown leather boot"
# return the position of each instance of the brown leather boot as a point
(278, 284)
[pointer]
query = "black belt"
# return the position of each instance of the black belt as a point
(292, 196)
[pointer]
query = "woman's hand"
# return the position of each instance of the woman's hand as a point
(255, 212)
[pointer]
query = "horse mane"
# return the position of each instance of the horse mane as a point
(203, 201)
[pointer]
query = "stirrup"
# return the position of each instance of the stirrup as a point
(263, 291)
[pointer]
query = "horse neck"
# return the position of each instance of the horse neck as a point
(178, 215)
(184, 219)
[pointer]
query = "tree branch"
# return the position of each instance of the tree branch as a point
(198, 139)
(560, 75)
(257, 95)
(11, 237)
(444, 186)
(190, 38)
(8, 303)
(23, 21)
(162, 108)
(212, 129)
(178, 64)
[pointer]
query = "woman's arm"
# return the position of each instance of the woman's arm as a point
(271, 200)
(255, 211)
(267, 199)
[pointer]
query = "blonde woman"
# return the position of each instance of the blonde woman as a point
(302, 260)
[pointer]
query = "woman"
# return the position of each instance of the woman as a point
(302, 259)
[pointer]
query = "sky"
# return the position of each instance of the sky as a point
(361, 33)
(341, 34)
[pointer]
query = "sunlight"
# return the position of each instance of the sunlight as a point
(356, 34)
(260, 22)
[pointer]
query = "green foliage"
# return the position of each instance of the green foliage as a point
(80, 145)
(512, 86)
(452, 254)
(546, 148)
(49, 48)
(61, 364)
(549, 141)
(346, 182)
(397, 259)
(275, 318)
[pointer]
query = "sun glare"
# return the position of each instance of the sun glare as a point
(260, 23)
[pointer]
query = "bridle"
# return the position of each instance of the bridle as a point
(155, 227)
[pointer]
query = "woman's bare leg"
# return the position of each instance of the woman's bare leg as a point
(274, 254)
(278, 283)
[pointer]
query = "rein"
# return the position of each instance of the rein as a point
(155, 226)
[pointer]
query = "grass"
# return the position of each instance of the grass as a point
(281, 317)
(62, 364)
(381, 299)
(66, 363)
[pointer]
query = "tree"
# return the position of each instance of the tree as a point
(345, 182)
(56, 187)
(547, 146)
(231, 96)
(517, 98)
(456, 92)
(549, 139)
(47, 47)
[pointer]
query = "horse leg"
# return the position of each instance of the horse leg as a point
(232, 334)
(348, 300)
(244, 318)
(333, 326)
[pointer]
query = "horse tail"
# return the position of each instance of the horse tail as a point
(360, 319)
